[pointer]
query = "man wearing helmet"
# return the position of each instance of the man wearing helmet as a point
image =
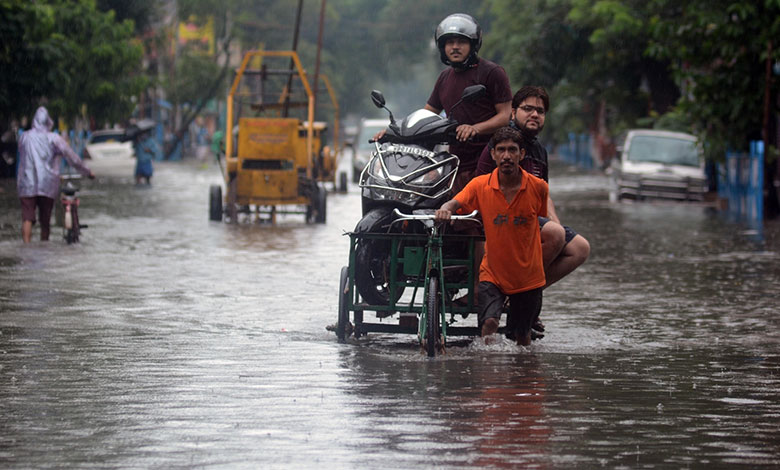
(459, 38)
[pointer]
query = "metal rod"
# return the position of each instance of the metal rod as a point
(286, 110)
(319, 50)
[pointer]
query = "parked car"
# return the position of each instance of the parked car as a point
(109, 152)
(362, 149)
(654, 164)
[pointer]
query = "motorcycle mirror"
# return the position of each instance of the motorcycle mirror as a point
(379, 101)
(470, 94)
(473, 92)
(378, 98)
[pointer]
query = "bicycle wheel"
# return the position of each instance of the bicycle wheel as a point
(432, 333)
(71, 225)
(76, 224)
(341, 326)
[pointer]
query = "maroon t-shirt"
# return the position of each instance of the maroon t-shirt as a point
(448, 91)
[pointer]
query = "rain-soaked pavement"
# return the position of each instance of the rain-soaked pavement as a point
(164, 340)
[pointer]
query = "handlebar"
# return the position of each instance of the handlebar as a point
(70, 177)
(403, 216)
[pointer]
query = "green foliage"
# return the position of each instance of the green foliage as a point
(193, 72)
(70, 56)
(26, 50)
(719, 51)
(141, 12)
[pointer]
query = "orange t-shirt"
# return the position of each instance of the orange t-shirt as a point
(513, 245)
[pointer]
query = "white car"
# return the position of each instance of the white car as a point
(655, 164)
(107, 152)
(362, 149)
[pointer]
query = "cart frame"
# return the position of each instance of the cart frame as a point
(421, 263)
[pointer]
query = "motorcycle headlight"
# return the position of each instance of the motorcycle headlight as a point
(376, 168)
(429, 177)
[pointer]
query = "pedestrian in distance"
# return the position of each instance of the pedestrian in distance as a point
(564, 249)
(146, 150)
(38, 177)
(510, 201)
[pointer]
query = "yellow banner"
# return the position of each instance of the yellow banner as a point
(200, 38)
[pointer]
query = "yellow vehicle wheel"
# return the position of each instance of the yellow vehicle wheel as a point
(215, 202)
(232, 202)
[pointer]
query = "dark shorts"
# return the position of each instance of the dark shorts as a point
(570, 234)
(44, 205)
(523, 307)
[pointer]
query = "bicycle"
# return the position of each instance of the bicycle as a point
(71, 227)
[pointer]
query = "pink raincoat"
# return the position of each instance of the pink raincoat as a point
(39, 165)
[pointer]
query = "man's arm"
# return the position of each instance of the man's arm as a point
(432, 109)
(445, 211)
(551, 214)
(64, 149)
(501, 119)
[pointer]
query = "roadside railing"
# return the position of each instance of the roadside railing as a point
(741, 184)
(577, 151)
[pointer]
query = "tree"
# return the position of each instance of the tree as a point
(141, 12)
(591, 55)
(27, 51)
(70, 56)
(720, 51)
(723, 52)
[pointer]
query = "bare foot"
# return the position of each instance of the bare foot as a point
(490, 327)
(525, 339)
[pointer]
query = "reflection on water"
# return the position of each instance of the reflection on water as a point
(165, 340)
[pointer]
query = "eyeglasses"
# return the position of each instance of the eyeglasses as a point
(529, 109)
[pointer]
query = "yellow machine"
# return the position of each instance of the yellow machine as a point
(275, 153)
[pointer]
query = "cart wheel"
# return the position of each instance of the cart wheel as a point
(343, 182)
(432, 333)
(322, 205)
(215, 202)
(341, 326)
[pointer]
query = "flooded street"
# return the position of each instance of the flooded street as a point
(164, 340)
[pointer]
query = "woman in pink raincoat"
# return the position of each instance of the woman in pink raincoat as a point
(38, 177)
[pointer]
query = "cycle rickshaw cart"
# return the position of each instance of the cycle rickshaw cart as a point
(431, 278)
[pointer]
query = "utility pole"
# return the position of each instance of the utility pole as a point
(286, 111)
(319, 50)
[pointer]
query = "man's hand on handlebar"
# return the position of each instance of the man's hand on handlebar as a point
(442, 215)
(378, 135)
(465, 132)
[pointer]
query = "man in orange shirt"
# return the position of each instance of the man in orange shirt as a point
(510, 201)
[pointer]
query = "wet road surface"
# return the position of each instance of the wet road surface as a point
(164, 340)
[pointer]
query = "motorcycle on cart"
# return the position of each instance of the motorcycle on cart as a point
(417, 276)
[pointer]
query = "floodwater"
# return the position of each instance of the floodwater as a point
(164, 340)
